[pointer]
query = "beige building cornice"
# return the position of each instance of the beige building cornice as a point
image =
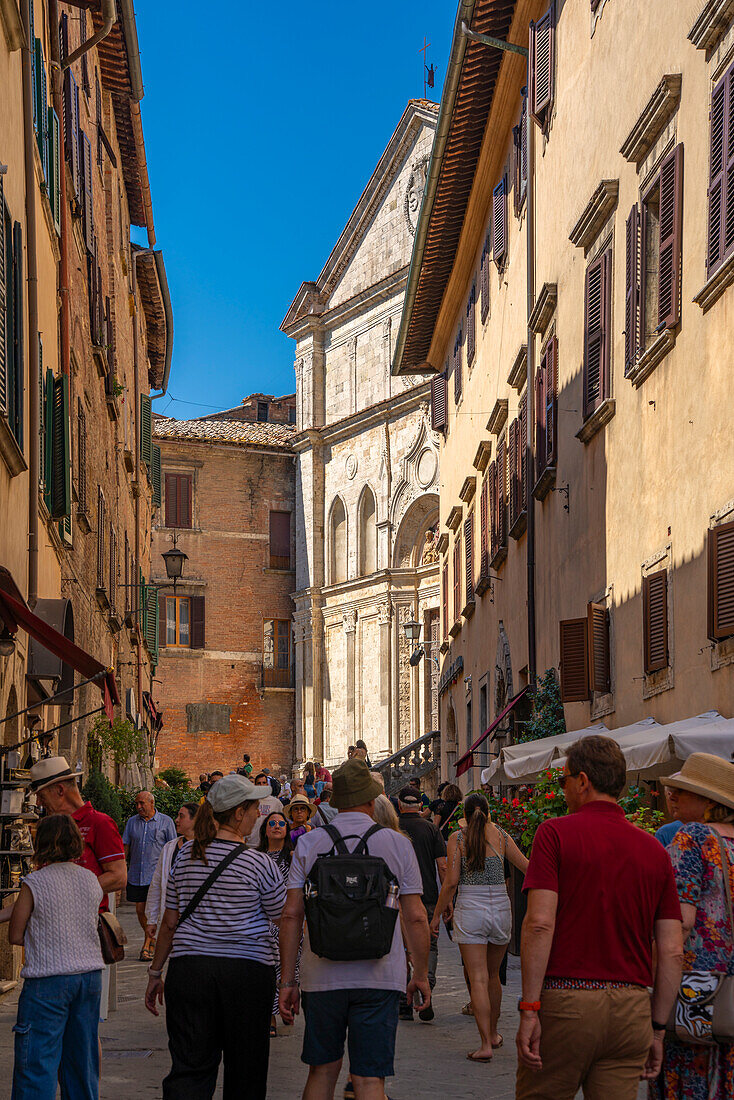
(392, 408)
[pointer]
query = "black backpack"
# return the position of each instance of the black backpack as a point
(351, 901)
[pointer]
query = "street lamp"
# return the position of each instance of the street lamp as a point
(174, 560)
(412, 631)
(7, 643)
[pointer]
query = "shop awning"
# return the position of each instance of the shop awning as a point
(523, 763)
(16, 614)
(467, 760)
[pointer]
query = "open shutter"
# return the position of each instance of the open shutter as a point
(598, 635)
(596, 332)
(43, 423)
(156, 475)
(551, 401)
(540, 419)
(541, 67)
(484, 529)
(445, 597)
(55, 163)
(514, 456)
(81, 485)
(484, 281)
(162, 640)
(632, 290)
(457, 576)
(198, 635)
(40, 107)
(719, 156)
(17, 373)
(85, 149)
(151, 622)
(438, 402)
(469, 556)
(721, 582)
(171, 499)
(146, 439)
(574, 660)
(523, 443)
(458, 379)
(499, 221)
(671, 232)
(655, 620)
(470, 327)
(60, 491)
(48, 421)
(494, 539)
(71, 129)
(502, 492)
(4, 365)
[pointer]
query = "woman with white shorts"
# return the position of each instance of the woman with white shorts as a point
(482, 914)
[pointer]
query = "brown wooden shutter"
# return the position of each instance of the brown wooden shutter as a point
(484, 529)
(197, 622)
(721, 582)
(655, 620)
(542, 49)
(457, 576)
(469, 556)
(470, 327)
(598, 635)
(596, 332)
(574, 660)
(445, 597)
(280, 540)
(85, 149)
(492, 479)
(718, 157)
(502, 492)
(551, 401)
(438, 402)
(524, 450)
(171, 502)
(632, 290)
(540, 419)
(458, 380)
(162, 632)
(671, 234)
(514, 456)
(484, 281)
(499, 221)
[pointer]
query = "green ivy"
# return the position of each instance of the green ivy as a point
(548, 718)
(118, 742)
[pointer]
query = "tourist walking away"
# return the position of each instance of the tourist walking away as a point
(276, 842)
(600, 891)
(146, 832)
(443, 807)
(482, 914)
(309, 781)
(299, 812)
(266, 804)
(701, 797)
(155, 903)
(55, 920)
(220, 983)
(325, 812)
(430, 851)
(353, 962)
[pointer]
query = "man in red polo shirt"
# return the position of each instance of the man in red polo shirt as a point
(599, 891)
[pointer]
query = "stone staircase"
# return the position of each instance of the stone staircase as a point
(414, 761)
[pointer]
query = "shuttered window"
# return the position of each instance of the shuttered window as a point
(484, 529)
(12, 371)
(494, 536)
(655, 620)
(85, 150)
(523, 444)
(178, 500)
(499, 222)
(599, 660)
(146, 429)
(458, 379)
(156, 475)
(597, 304)
(670, 238)
(546, 408)
(112, 592)
(574, 660)
(71, 130)
(58, 447)
(40, 105)
(721, 582)
(471, 327)
(484, 281)
(54, 167)
(632, 289)
(445, 597)
(469, 556)
(721, 174)
(100, 538)
(197, 622)
(81, 457)
(502, 493)
(515, 472)
(280, 540)
(457, 576)
(541, 67)
(438, 402)
(520, 144)
(6, 297)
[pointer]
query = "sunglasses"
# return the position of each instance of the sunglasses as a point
(565, 778)
(276, 824)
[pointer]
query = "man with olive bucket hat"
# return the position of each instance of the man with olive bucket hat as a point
(356, 1001)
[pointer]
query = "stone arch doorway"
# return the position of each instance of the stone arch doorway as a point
(411, 545)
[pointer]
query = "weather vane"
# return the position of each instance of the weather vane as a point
(429, 71)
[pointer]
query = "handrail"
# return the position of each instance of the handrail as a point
(411, 761)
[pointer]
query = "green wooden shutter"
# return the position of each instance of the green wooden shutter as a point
(156, 473)
(54, 166)
(42, 421)
(60, 492)
(17, 373)
(47, 404)
(151, 621)
(142, 603)
(146, 438)
(41, 109)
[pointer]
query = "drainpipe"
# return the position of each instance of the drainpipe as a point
(109, 17)
(34, 410)
(136, 420)
(58, 104)
(530, 441)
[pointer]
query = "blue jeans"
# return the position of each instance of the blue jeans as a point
(56, 1037)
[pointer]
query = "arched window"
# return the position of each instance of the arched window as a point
(338, 542)
(367, 534)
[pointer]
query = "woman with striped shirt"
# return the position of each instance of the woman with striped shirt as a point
(221, 978)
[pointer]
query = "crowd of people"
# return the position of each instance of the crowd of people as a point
(322, 895)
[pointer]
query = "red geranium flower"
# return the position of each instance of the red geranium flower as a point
(550, 794)
(516, 802)
(504, 801)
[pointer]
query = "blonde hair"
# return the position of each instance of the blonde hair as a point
(384, 814)
(719, 814)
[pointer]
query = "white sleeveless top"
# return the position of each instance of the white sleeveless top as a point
(61, 934)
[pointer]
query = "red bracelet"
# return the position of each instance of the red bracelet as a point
(528, 1006)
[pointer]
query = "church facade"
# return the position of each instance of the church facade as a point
(367, 479)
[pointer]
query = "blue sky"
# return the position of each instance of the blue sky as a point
(262, 125)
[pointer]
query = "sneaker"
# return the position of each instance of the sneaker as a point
(405, 1014)
(426, 1014)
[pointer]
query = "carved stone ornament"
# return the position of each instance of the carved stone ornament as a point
(349, 621)
(384, 613)
(430, 553)
(414, 193)
(350, 467)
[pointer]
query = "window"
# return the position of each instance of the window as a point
(498, 504)
(277, 653)
(262, 411)
(291, 414)
(178, 621)
(484, 280)
(338, 542)
(178, 500)
(541, 67)
(721, 582)
(71, 130)
(585, 655)
(515, 467)
(280, 540)
(100, 538)
(438, 402)
(11, 321)
(546, 409)
(112, 594)
(86, 86)
(367, 534)
(98, 105)
(445, 597)
(520, 142)
(597, 304)
(469, 556)
(499, 222)
(469, 735)
(655, 621)
(146, 429)
(457, 576)
(484, 530)
(458, 379)
(721, 174)
(81, 457)
(471, 327)
(87, 190)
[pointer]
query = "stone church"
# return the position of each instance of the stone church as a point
(367, 479)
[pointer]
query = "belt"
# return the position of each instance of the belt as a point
(587, 983)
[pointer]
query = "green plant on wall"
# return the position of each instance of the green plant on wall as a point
(547, 719)
(118, 742)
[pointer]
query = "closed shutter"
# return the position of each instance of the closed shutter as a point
(520, 143)
(494, 539)
(55, 163)
(632, 289)
(721, 582)
(499, 222)
(541, 64)
(484, 281)
(197, 622)
(40, 107)
(596, 332)
(71, 129)
(458, 379)
(100, 543)
(514, 463)
(445, 597)
(574, 661)
(81, 482)
(598, 634)
(43, 478)
(16, 375)
(63, 37)
(721, 173)
(98, 106)
(655, 620)
(502, 492)
(178, 500)
(162, 639)
(484, 529)
(85, 150)
(438, 402)
(151, 622)
(113, 569)
(469, 556)
(671, 232)
(540, 419)
(524, 450)
(470, 327)
(4, 297)
(146, 438)
(280, 540)
(48, 403)
(156, 475)
(457, 576)
(551, 401)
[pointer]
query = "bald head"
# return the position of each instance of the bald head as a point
(145, 805)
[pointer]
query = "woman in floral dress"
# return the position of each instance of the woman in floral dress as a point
(702, 797)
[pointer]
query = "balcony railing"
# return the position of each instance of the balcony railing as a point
(411, 762)
(277, 677)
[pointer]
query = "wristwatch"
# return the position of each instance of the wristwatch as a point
(659, 1027)
(287, 985)
(528, 1006)
(154, 973)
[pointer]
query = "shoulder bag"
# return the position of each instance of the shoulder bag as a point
(704, 1009)
(223, 864)
(112, 938)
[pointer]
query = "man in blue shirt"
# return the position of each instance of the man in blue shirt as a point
(145, 834)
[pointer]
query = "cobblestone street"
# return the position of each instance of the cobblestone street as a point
(430, 1057)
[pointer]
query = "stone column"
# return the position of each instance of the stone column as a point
(353, 396)
(387, 353)
(349, 620)
(386, 677)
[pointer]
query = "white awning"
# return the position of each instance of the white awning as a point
(523, 763)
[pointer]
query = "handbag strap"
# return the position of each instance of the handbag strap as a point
(725, 867)
(210, 879)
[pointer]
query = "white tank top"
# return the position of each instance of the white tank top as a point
(61, 934)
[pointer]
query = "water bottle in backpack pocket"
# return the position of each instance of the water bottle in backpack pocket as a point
(351, 901)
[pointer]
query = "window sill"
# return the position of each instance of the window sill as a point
(114, 622)
(101, 597)
(499, 557)
(455, 630)
(722, 654)
(483, 584)
(469, 608)
(714, 287)
(519, 526)
(280, 572)
(545, 483)
(655, 683)
(129, 460)
(282, 690)
(650, 358)
(601, 705)
(9, 449)
(99, 354)
(113, 410)
(444, 647)
(82, 520)
(597, 420)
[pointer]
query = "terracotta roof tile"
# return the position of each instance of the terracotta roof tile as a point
(235, 432)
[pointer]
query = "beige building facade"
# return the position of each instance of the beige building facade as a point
(617, 464)
(367, 478)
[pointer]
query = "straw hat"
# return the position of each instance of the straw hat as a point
(707, 775)
(52, 769)
(299, 800)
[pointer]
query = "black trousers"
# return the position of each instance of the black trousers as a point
(218, 1007)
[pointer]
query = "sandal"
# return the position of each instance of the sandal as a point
(470, 1058)
(467, 1010)
(146, 954)
(496, 1046)
(273, 1031)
